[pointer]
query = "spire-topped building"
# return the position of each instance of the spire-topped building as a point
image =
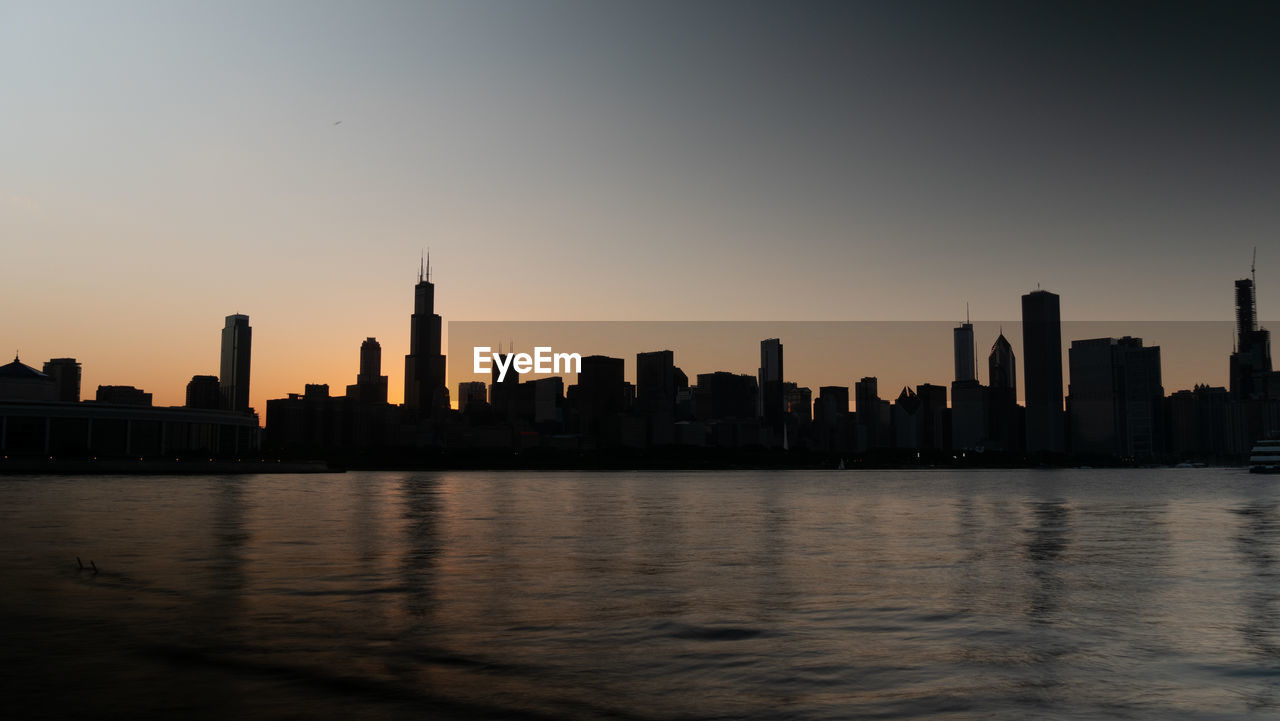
(966, 362)
(1002, 370)
(1251, 361)
(424, 388)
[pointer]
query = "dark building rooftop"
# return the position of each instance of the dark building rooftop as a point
(18, 369)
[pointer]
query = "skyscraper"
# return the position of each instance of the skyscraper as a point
(1251, 360)
(1042, 371)
(1116, 398)
(424, 388)
(370, 385)
(656, 383)
(966, 365)
(874, 419)
(1002, 367)
(66, 373)
(1003, 424)
(471, 393)
(601, 391)
(204, 392)
(772, 401)
(237, 339)
(504, 394)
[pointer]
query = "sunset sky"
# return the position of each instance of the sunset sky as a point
(164, 164)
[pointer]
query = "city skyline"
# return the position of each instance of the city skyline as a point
(649, 161)
(1192, 362)
(829, 352)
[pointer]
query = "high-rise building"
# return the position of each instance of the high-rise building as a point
(1002, 367)
(204, 392)
(65, 372)
(656, 383)
(504, 394)
(237, 339)
(471, 394)
(832, 404)
(370, 386)
(874, 423)
(934, 433)
(1042, 371)
(424, 366)
(602, 391)
(966, 364)
(773, 404)
(1004, 429)
(722, 395)
(970, 414)
(1116, 398)
(656, 394)
(1251, 361)
(906, 420)
(831, 423)
(799, 401)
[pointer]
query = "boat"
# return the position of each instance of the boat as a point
(1265, 457)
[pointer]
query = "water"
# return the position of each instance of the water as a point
(1143, 594)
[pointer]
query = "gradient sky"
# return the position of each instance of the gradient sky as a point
(164, 164)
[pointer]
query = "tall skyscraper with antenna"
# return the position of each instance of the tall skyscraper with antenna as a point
(424, 382)
(1251, 360)
(966, 365)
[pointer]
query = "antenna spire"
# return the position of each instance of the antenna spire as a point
(966, 311)
(421, 266)
(428, 264)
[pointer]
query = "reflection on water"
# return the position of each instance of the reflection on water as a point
(1138, 594)
(1256, 543)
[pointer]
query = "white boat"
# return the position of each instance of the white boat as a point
(1265, 457)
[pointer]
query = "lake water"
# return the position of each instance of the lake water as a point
(1141, 594)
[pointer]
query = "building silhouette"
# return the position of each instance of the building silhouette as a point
(1203, 424)
(873, 417)
(472, 394)
(204, 392)
(21, 382)
(1042, 371)
(237, 341)
(965, 362)
(504, 394)
(1116, 399)
(370, 385)
(656, 394)
(601, 396)
(799, 400)
(970, 414)
(123, 396)
(1005, 418)
(906, 420)
(1002, 366)
(1250, 362)
(772, 404)
(425, 393)
(933, 418)
(121, 423)
(65, 372)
